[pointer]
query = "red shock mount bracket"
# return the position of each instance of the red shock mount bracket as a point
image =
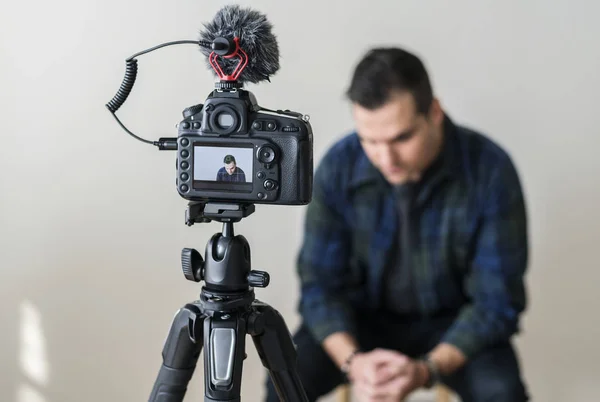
(243, 62)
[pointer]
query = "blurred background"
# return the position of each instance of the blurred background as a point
(91, 225)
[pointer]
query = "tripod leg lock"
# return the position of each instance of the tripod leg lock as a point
(276, 350)
(195, 323)
(180, 355)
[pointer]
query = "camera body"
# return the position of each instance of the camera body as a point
(229, 149)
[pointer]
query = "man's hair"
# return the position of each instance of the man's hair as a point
(228, 159)
(385, 70)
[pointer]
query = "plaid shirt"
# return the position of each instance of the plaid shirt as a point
(237, 176)
(471, 247)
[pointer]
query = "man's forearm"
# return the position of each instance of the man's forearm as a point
(339, 346)
(448, 358)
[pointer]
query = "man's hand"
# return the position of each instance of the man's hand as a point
(385, 376)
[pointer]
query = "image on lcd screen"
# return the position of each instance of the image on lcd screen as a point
(225, 167)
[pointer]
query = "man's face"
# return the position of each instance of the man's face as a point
(230, 167)
(397, 140)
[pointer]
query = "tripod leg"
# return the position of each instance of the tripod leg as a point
(180, 355)
(224, 353)
(276, 349)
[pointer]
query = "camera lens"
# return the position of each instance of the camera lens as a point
(266, 154)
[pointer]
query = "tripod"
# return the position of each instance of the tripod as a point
(219, 321)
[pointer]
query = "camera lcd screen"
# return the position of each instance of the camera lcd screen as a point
(223, 168)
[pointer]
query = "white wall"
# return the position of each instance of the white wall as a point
(92, 226)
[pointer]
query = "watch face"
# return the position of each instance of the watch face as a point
(434, 376)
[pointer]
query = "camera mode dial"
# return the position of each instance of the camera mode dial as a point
(192, 110)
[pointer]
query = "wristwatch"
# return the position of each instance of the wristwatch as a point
(346, 365)
(434, 372)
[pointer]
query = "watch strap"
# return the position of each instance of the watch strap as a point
(346, 366)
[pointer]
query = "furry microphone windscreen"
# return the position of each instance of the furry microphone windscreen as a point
(255, 38)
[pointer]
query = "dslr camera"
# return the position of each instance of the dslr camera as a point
(231, 150)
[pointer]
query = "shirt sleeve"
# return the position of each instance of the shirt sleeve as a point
(323, 258)
(495, 281)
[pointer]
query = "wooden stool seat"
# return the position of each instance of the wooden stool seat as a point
(442, 394)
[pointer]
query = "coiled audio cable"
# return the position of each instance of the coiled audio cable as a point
(131, 69)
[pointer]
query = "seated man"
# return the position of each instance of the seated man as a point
(231, 172)
(415, 249)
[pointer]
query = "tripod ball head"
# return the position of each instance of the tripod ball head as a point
(227, 264)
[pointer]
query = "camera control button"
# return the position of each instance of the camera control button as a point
(270, 185)
(266, 154)
(271, 126)
(262, 196)
(261, 175)
(196, 125)
(184, 188)
(185, 142)
(185, 125)
(185, 153)
(256, 125)
(185, 176)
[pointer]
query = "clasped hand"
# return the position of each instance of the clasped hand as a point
(385, 376)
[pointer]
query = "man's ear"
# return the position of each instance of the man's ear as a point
(436, 113)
